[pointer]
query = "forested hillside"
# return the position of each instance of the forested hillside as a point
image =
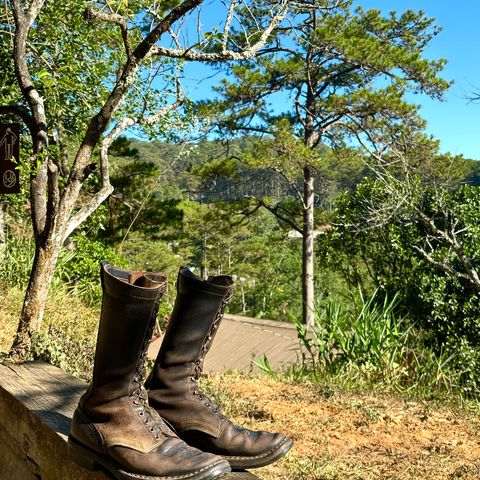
(218, 171)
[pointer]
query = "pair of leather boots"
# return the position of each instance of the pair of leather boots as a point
(165, 428)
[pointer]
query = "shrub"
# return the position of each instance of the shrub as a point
(385, 256)
(78, 269)
(369, 345)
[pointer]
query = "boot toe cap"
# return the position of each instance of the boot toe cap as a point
(173, 458)
(242, 448)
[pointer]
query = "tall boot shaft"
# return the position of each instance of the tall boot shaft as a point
(129, 306)
(173, 384)
(195, 318)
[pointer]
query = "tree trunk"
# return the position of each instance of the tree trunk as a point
(308, 303)
(242, 291)
(203, 263)
(35, 298)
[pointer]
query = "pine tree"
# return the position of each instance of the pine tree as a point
(331, 71)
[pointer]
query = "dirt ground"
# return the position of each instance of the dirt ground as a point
(345, 435)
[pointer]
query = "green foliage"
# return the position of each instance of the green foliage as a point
(152, 255)
(77, 267)
(17, 261)
(122, 147)
(369, 338)
(138, 203)
(264, 263)
(80, 273)
(263, 365)
(370, 346)
(70, 353)
(388, 256)
(330, 65)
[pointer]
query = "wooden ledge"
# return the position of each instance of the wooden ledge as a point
(37, 402)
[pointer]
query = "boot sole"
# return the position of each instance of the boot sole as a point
(271, 456)
(91, 460)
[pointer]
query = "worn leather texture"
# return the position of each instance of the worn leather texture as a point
(113, 418)
(173, 383)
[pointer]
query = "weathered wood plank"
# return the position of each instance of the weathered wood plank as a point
(36, 408)
(37, 402)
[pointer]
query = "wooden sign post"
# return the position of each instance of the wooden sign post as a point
(9, 155)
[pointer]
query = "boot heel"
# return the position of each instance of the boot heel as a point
(81, 455)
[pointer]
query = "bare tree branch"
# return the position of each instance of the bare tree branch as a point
(275, 210)
(100, 122)
(115, 19)
(445, 267)
(33, 11)
(106, 188)
(292, 184)
(193, 54)
(456, 246)
(228, 24)
(403, 194)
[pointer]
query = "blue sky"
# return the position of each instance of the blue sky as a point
(454, 121)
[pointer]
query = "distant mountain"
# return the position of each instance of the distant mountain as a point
(184, 166)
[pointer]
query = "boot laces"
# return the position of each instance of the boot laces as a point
(204, 398)
(150, 417)
(198, 364)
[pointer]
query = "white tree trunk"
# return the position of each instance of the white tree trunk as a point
(307, 250)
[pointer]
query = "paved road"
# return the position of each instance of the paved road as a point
(239, 339)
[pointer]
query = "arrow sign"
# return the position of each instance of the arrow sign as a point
(9, 155)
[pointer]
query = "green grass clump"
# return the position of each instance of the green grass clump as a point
(370, 347)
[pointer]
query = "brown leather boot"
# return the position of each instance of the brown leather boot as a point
(173, 383)
(113, 427)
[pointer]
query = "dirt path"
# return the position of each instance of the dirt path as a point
(355, 436)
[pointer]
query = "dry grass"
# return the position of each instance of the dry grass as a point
(347, 435)
(63, 312)
(68, 333)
